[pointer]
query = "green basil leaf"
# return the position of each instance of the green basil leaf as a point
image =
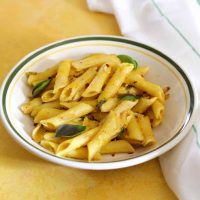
(128, 59)
(69, 130)
(40, 87)
(100, 103)
(128, 97)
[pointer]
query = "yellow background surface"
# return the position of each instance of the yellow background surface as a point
(25, 26)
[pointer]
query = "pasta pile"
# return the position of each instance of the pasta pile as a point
(98, 105)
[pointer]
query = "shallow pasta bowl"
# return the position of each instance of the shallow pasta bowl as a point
(181, 107)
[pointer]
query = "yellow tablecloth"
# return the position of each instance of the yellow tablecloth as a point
(24, 26)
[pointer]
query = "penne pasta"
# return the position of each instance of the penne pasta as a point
(33, 79)
(71, 104)
(76, 142)
(151, 116)
(97, 105)
(158, 109)
(148, 87)
(50, 95)
(156, 122)
(69, 92)
(99, 116)
(125, 105)
(51, 146)
(28, 107)
(95, 60)
(158, 112)
(139, 71)
(116, 81)
(117, 146)
(38, 133)
(97, 83)
(145, 125)
(125, 118)
(46, 113)
(50, 136)
(77, 111)
(143, 104)
(129, 90)
(62, 77)
(36, 109)
(62, 146)
(110, 104)
(134, 132)
(108, 129)
(77, 96)
(81, 153)
(90, 123)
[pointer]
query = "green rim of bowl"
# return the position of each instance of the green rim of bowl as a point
(96, 38)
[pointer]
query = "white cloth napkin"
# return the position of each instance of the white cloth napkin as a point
(172, 26)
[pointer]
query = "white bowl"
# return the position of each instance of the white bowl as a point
(180, 107)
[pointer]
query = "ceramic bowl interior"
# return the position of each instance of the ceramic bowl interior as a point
(180, 106)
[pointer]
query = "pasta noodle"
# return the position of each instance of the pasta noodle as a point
(154, 122)
(117, 146)
(143, 104)
(129, 90)
(90, 123)
(50, 136)
(95, 60)
(46, 113)
(81, 153)
(158, 109)
(100, 104)
(140, 71)
(38, 133)
(124, 106)
(97, 83)
(99, 116)
(77, 142)
(148, 87)
(36, 109)
(33, 79)
(134, 132)
(76, 86)
(62, 77)
(50, 95)
(28, 107)
(125, 118)
(116, 81)
(145, 125)
(51, 146)
(70, 104)
(109, 104)
(106, 132)
(67, 116)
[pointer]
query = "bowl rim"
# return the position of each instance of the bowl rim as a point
(99, 165)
